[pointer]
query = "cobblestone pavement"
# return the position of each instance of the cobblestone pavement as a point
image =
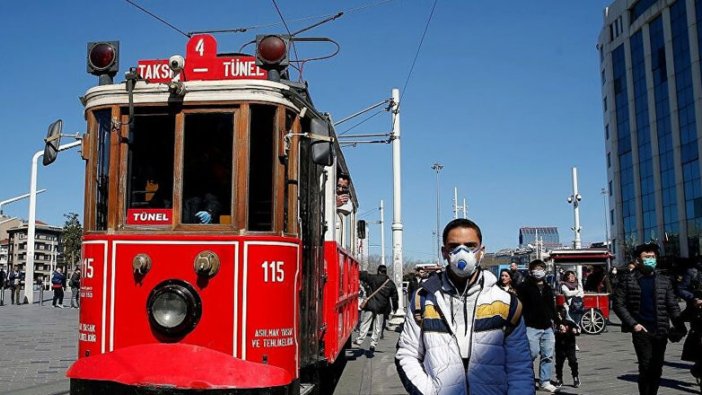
(607, 365)
(39, 344)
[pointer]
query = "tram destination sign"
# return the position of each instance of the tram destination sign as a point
(202, 64)
(151, 216)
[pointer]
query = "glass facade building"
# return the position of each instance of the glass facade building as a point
(547, 234)
(649, 52)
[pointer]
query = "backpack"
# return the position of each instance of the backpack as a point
(56, 279)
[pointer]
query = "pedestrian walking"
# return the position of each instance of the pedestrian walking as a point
(382, 290)
(58, 284)
(573, 295)
(15, 279)
(74, 282)
(517, 276)
(505, 281)
(462, 333)
(645, 303)
(565, 348)
(540, 318)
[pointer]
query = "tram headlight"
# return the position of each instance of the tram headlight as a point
(174, 308)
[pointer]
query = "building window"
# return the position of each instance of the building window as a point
(607, 132)
(604, 102)
(609, 160)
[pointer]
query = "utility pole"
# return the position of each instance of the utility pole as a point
(455, 202)
(465, 209)
(437, 167)
(382, 234)
(397, 261)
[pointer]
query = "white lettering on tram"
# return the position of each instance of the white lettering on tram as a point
(239, 68)
(158, 217)
(154, 71)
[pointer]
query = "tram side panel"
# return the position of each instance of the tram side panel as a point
(340, 299)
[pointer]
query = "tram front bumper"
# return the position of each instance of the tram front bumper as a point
(177, 366)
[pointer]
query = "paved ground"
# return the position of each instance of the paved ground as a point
(39, 343)
(607, 366)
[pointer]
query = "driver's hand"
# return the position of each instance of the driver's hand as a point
(204, 217)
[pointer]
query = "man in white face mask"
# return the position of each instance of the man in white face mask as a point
(462, 333)
(540, 317)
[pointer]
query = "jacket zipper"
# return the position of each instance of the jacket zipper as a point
(472, 330)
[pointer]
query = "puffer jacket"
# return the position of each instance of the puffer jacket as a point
(428, 359)
(627, 301)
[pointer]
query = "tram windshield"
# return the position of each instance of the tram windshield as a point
(195, 180)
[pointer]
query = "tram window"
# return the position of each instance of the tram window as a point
(150, 170)
(207, 168)
(102, 176)
(261, 167)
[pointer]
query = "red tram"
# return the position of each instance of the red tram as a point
(214, 257)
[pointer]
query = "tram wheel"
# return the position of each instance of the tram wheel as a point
(593, 322)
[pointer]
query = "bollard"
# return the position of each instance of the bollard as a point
(41, 295)
(2, 295)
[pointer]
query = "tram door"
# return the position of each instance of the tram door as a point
(311, 213)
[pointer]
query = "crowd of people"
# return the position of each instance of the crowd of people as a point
(467, 331)
(14, 280)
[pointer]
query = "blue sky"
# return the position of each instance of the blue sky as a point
(507, 96)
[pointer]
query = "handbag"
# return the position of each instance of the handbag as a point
(576, 304)
(365, 302)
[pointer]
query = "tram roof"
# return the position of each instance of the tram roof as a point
(196, 92)
(584, 255)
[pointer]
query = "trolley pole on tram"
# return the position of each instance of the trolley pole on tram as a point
(31, 226)
(397, 203)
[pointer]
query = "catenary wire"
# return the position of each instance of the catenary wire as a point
(157, 18)
(361, 122)
(414, 61)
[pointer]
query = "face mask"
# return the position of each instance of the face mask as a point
(649, 262)
(538, 273)
(462, 261)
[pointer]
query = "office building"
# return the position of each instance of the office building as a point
(546, 234)
(649, 52)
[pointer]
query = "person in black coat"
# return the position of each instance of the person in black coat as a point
(645, 303)
(381, 291)
(539, 312)
(689, 288)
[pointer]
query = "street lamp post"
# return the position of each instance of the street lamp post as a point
(437, 167)
(31, 225)
(606, 217)
(574, 199)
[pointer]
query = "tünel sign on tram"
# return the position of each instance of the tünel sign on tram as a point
(150, 216)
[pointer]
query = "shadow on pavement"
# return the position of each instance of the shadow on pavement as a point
(676, 385)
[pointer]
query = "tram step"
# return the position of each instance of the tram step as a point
(306, 388)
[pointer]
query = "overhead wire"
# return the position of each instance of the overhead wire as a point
(292, 43)
(414, 61)
(158, 18)
(362, 122)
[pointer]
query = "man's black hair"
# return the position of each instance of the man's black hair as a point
(382, 269)
(646, 247)
(462, 223)
(535, 263)
(343, 176)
